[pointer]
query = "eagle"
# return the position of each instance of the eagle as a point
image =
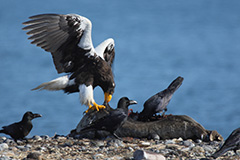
(68, 39)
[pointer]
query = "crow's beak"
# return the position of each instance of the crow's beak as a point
(37, 115)
(132, 102)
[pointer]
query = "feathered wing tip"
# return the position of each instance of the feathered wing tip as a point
(219, 152)
(54, 85)
(106, 50)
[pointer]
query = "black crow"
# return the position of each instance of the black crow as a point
(231, 143)
(21, 129)
(159, 101)
(112, 121)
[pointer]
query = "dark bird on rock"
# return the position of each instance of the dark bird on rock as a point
(20, 130)
(114, 119)
(68, 38)
(231, 143)
(159, 101)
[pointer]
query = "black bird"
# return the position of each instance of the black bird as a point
(159, 101)
(68, 38)
(20, 130)
(231, 143)
(114, 119)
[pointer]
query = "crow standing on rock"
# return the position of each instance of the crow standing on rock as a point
(20, 130)
(231, 143)
(159, 101)
(114, 119)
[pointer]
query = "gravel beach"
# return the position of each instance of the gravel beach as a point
(64, 147)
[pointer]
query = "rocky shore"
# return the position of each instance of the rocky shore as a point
(64, 147)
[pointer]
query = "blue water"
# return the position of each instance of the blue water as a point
(156, 41)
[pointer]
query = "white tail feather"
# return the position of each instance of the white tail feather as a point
(54, 85)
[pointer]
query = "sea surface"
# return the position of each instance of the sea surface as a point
(156, 41)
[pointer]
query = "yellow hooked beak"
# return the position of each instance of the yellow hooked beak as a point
(107, 97)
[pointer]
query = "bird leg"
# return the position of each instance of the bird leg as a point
(107, 98)
(95, 106)
(116, 136)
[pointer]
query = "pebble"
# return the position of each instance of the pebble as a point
(141, 154)
(3, 157)
(97, 143)
(34, 155)
(45, 137)
(3, 146)
(169, 141)
(144, 144)
(60, 147)
(154, 137)
(188, 143)
(37, 138)
(2, 139)
(115, 143)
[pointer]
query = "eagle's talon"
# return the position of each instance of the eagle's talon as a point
(95, 106)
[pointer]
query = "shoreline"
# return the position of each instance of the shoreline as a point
(64, 147)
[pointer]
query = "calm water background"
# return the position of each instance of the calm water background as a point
(156, 41)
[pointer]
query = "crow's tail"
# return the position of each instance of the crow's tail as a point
(175, 84)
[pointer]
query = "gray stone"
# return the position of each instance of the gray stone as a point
(3, 139)
(140, 155)
(9, 141)
(45, 137)
(34, 155)
(188, 143)
(97, 143)
(207, 148)
(37, 138)
(169, 141)
(3, 157)
(3, 146)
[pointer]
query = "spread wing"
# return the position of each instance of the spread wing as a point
(106, 50)
(67, 37)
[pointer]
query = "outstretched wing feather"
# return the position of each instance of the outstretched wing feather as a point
(58, 34)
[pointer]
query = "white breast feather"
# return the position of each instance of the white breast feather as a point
(86, 94)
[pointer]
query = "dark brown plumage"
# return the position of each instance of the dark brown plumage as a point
(112, 121)
(231, 143)
(158, 102)
(20, 130)
(68, 38)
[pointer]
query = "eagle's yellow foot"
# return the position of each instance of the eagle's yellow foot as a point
(95, 106)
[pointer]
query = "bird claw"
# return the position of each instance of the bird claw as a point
(95, 106)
